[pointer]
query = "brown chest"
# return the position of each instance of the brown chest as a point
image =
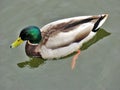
(32, 50)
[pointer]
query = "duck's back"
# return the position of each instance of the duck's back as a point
(67, 35)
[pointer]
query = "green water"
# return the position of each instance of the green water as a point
(98, 67)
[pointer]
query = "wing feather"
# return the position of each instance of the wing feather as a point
(64, 32)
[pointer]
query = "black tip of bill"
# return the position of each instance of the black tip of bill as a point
(11, 46)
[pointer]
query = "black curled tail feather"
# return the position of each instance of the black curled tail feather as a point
(95, 28)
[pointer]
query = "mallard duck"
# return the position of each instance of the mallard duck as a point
(60, 38)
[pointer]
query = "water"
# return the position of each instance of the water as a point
(98, 67)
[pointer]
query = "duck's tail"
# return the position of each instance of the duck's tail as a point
(100, 22)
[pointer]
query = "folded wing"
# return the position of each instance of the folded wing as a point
(63, 32)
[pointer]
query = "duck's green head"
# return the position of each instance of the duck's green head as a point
(31, 33)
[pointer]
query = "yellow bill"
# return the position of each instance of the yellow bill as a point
(16, 43)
